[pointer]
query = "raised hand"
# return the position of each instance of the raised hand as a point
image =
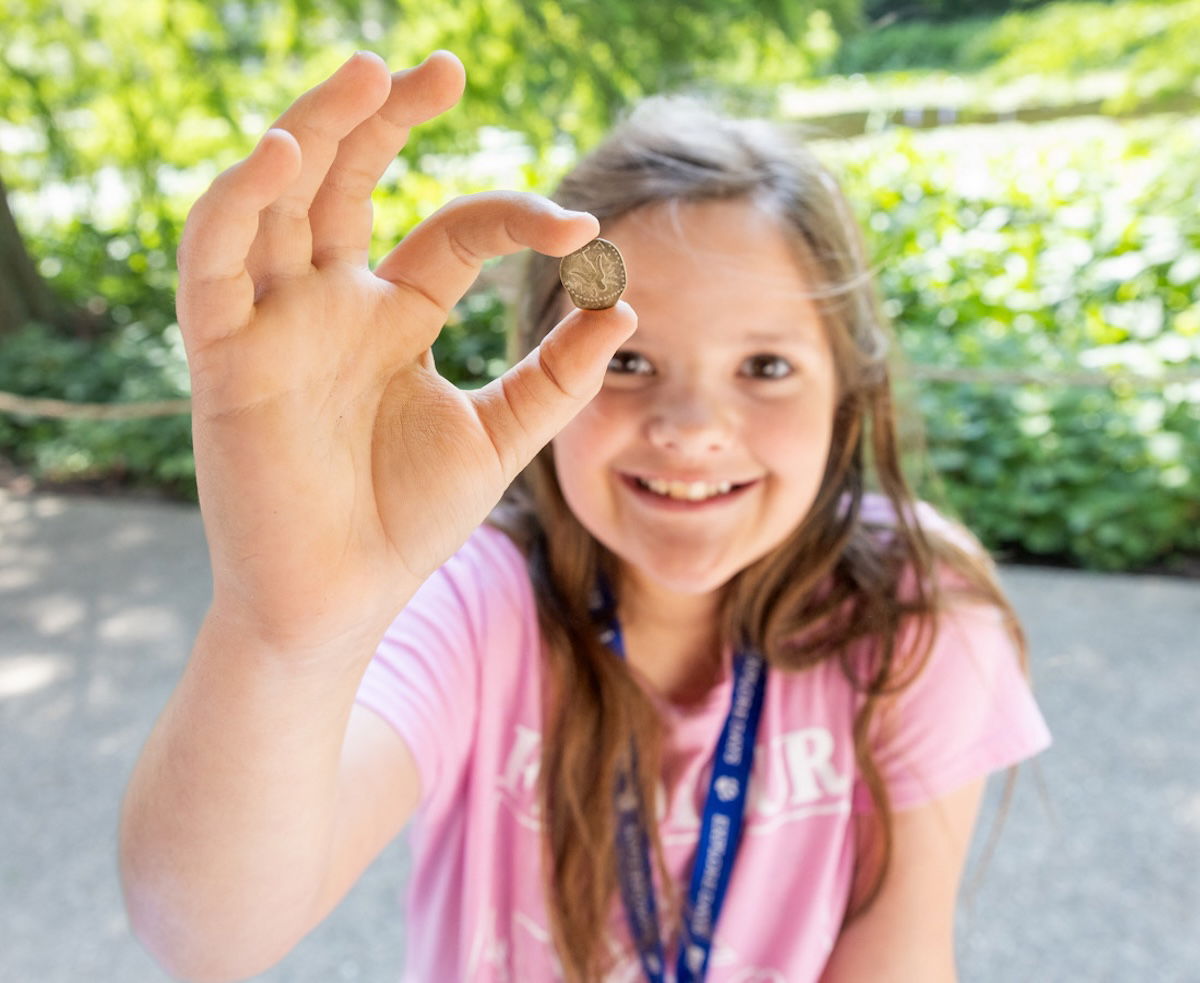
(336, 468)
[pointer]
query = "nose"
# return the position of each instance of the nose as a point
(689, 422)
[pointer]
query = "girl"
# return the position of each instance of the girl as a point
(692, 704)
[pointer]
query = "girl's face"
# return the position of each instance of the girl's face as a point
(708, 442)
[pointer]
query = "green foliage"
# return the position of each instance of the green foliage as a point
(471, 349)
(118, 278)
(1153, 44)
(1014, 249)
(1098, 479)
(886, 10)
(135, 105)
(911, 45)
(138, 364)
(130, 365)
(1019, 247)
(115, 115)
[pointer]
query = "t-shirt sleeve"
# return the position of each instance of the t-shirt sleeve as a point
(425, 677)
(970, 711)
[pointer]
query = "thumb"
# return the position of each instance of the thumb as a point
(523, 409)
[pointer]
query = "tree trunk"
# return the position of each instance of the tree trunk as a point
(24, 295)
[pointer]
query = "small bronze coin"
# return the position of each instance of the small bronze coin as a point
(594, 275)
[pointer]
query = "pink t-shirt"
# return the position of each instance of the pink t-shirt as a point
(458, 676)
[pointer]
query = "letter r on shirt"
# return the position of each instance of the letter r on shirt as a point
(808, 757)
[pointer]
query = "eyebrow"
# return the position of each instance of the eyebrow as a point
(757, 336)
(768, 337)
(773, 338)
(753, 338)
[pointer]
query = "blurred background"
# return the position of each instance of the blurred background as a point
(1027, 175)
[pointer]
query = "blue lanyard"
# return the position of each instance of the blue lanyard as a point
(720, 829)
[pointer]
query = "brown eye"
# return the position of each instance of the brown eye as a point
(767, 367)
(629, 363)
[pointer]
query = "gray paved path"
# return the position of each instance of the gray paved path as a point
(99, 601)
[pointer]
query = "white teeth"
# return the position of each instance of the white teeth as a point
(690, 491)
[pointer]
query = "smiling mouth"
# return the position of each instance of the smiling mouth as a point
(688, 491)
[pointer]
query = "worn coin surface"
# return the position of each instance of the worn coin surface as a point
(594, 275)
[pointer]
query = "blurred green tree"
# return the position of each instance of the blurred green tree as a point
(891, 10)
(114, 114)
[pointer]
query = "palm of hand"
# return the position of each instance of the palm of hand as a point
(339, 424)
(335, 467)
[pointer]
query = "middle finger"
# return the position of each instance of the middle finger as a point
(341, 212)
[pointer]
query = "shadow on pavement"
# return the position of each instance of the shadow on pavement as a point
(100, 600)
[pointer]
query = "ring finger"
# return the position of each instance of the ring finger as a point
(319, 120)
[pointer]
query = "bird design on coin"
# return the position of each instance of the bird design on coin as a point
(594, 275)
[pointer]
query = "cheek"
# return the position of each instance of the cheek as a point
(578, 455)
(796, 443)
(573, 441)
(595, 431)
(569, 483)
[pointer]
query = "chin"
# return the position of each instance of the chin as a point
(684, 579)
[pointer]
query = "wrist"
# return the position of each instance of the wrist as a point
(315, 643)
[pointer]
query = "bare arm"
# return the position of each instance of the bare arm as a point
(908, 932)
(336, 471)
(233, 820)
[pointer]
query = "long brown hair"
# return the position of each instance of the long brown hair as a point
(836, 580)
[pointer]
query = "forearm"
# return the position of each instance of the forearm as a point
(854, 960)
(227, 822)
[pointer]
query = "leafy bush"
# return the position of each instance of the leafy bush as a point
(1090, 477)
(139, 362)
(941, 9)
(131, 365)
(471, 349)
(1011, 248)
(1153, 45)
(116, 278)
(911, 45)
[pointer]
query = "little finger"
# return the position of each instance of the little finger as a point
(216, 292)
